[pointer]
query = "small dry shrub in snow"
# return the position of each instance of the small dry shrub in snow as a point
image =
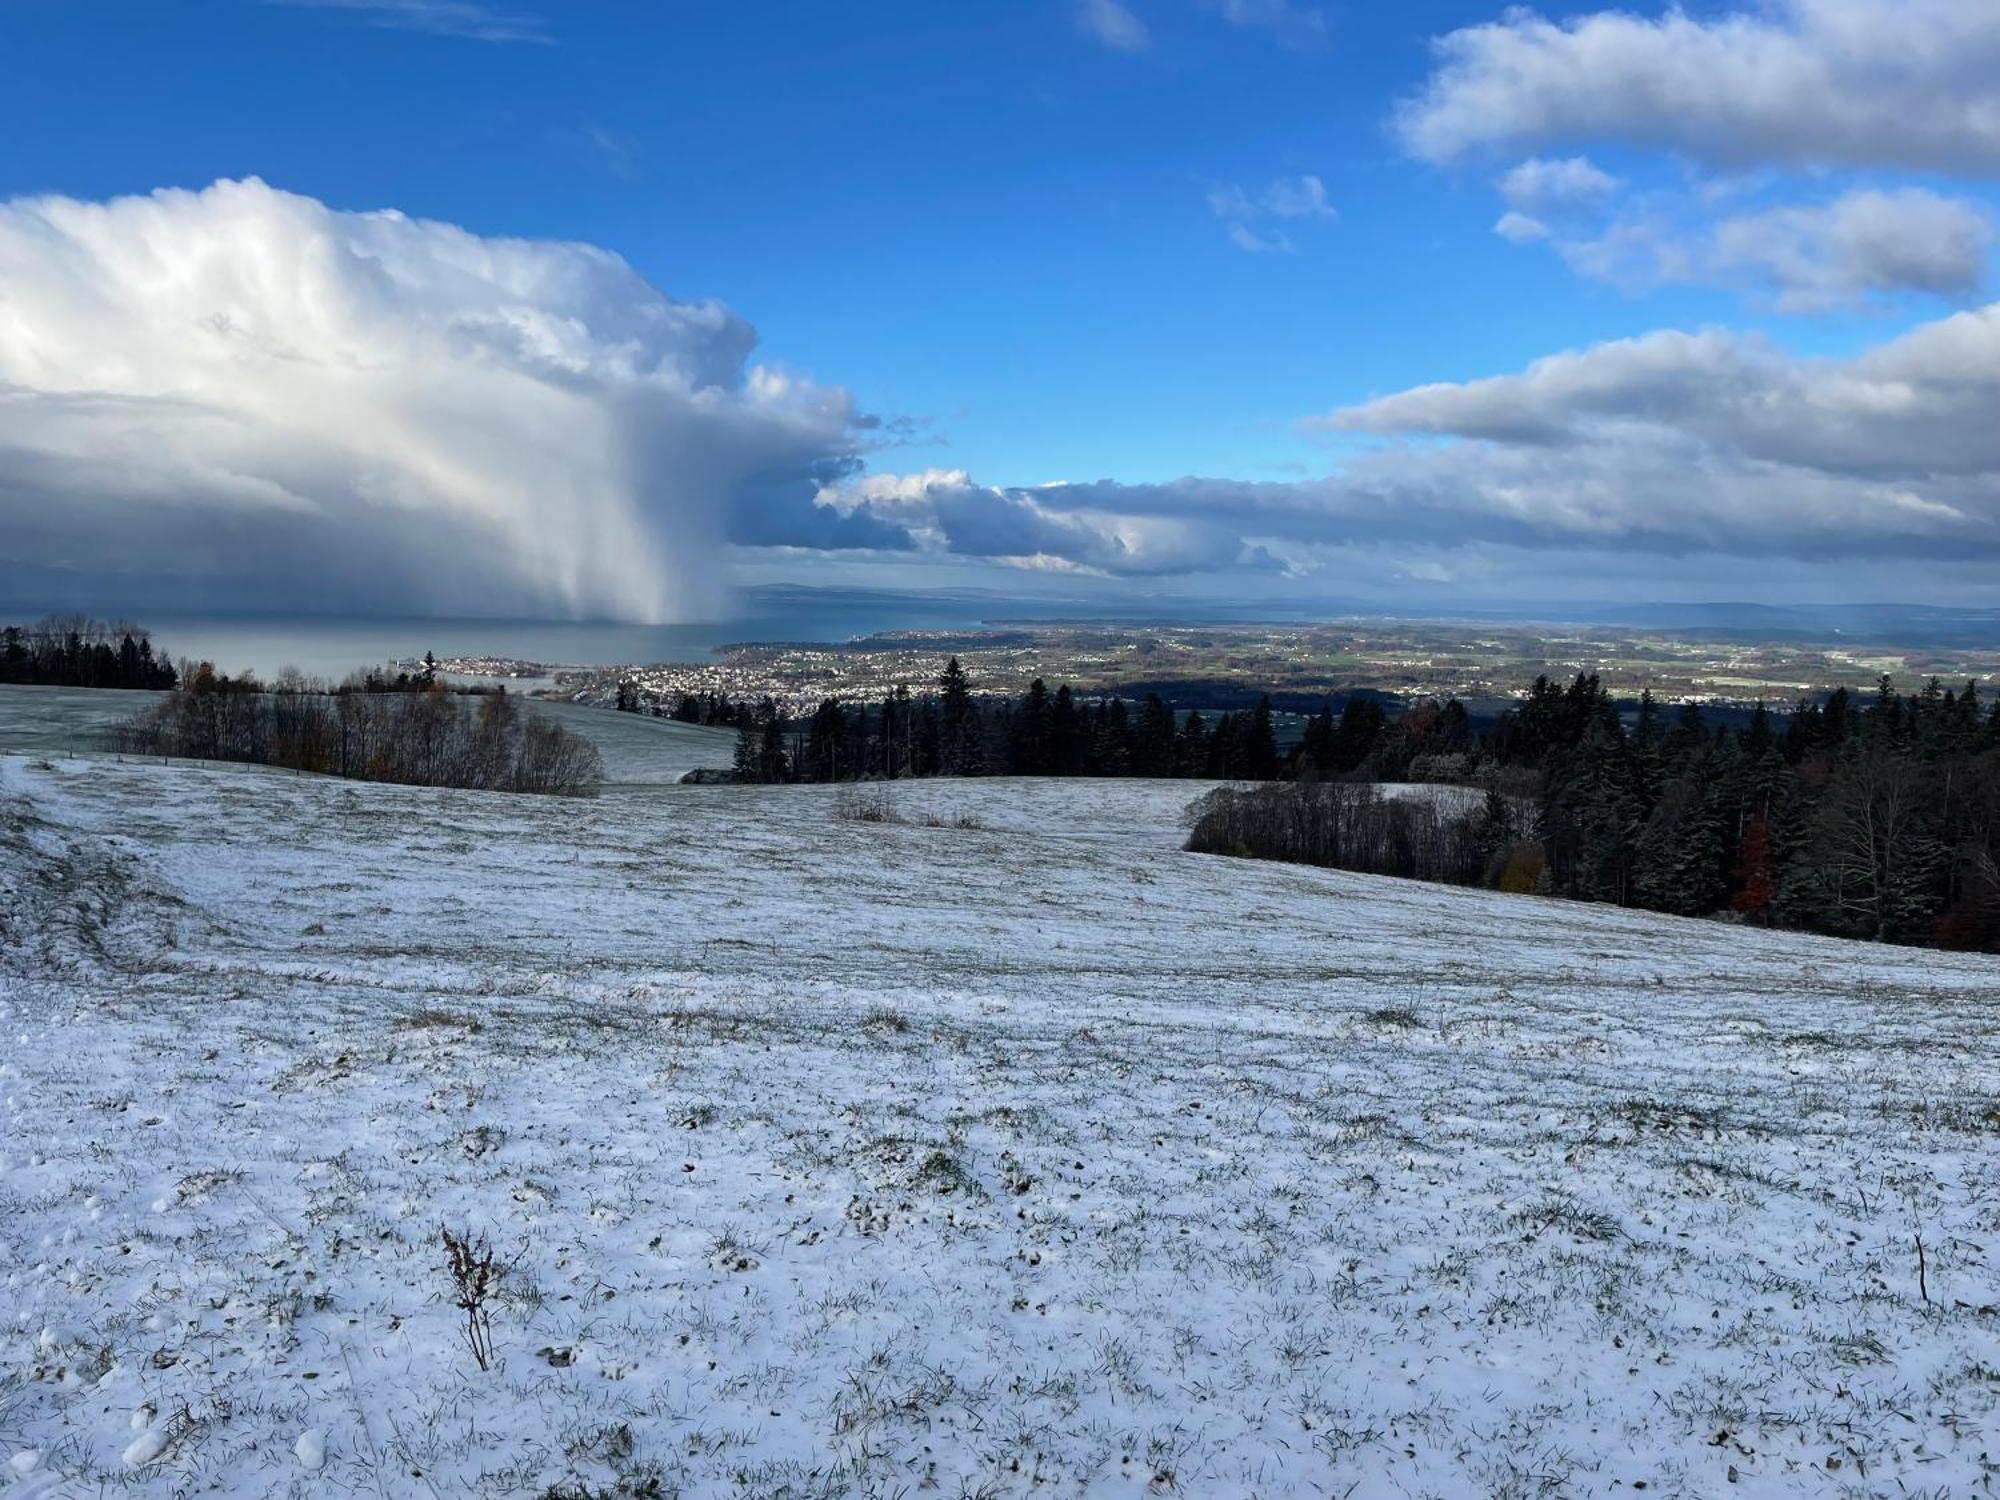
(473, 1277)
(857, 804)
(962, 820)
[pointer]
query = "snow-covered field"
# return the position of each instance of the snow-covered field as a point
(637, 751)
(1032, 1157)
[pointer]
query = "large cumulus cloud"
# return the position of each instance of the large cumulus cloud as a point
(274, 401)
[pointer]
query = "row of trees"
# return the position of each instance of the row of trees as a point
(77, 651)
(955, 732)
(1873, 819)
(418, 738)
(1356, 825)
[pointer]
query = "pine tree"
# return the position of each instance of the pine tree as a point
(773, 764)
(1758, 739)
(1648, 750)
(1688, 738)
(1033, 732)
(961, 751)
(1362, 724)
(1591, 812)
(1494, 832)
(1065, 734)
(1317, 745)
(826, 742)
(927, 757)
(1113, 739)
(1260, 747)
(1191, 750)
(1225, 754)
(1153, 739)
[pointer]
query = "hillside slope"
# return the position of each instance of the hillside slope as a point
(832, 1158)
(637, 751)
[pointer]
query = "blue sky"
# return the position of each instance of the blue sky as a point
(1125, 240)
(973, 214)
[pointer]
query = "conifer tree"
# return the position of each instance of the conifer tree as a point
(1033, 732)
(1153, 739)
(1065, 734)
(1260, 747)
(1361, 726)
(1191, 751)
(1113, 739)
(961, 748)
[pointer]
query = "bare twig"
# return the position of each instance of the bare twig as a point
(470, 1259)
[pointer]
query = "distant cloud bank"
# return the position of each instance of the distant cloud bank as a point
(247, 392)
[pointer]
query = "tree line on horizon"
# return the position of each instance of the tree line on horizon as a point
(955, 731)
(1875, 818)
(74, 650)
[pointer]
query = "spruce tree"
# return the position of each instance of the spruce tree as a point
(1260, 747)
(1192, 748)
(773, 764)
(1153, 739)
(1065, 734)
(1033, 732)
(1362, 724)
(1317, 744)
(1114, 740)
(961, 748)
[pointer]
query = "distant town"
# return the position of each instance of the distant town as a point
(1226, 666)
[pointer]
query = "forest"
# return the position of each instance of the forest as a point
(409, 730)
(955, 731)
(1877, 818)
(77, 651)
(1874, 817)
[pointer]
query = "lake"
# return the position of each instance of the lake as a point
(331, 646)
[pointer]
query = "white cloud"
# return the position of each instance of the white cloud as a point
(1114, 24)
(1538, 186)
(1047, 527)
(1862, 246)
(1722, 440)
(1520, 229)
(1244, 238)
(1294, 198)
(1298, 198)
(1300, 27)
(1905, 83)
(245, 389)
(460, 18)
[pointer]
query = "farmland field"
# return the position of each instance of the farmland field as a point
(995, 1147)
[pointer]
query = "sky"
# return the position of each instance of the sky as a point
(603, 310)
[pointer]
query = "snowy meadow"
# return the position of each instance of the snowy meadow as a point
(977, 1142)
